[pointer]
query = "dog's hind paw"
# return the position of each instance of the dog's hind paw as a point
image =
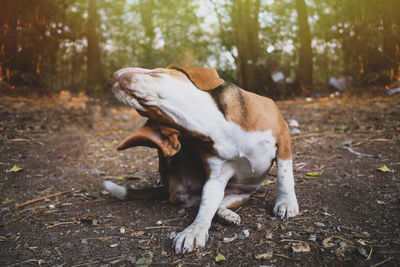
(229, 216)
(286, 207)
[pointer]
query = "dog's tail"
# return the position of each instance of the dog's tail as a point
(124, 193)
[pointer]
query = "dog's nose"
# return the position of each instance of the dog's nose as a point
(124, 77)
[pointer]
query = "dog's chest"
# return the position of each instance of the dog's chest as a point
(251, 154)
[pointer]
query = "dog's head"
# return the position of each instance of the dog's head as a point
(175, 98)
(146, 89)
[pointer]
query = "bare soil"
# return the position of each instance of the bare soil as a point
(54, 211)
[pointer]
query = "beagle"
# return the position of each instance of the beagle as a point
(216, 143)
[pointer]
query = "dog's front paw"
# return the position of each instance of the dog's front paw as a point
(193, 236)
(286, 206)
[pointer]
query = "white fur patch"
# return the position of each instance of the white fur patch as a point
(228, 215)
(196, 234)
(286, 201)
(116, 190)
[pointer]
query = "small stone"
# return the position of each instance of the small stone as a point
(312, 237)
(246, 233)
(295, 131)
(52, 206)
(172, 235)
(159, 223)
(181, 211)
(293, 123)
(362, 251)
(267, 255)
(366, 234)
(114, 245)
(268, 235)
(84, 241)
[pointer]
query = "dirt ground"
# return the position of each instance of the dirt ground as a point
(56, 151)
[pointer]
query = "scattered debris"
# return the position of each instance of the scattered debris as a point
(143, 262)
(172, 235)
(314, 174)
(360, 154)
(294, 131)
(342, 83)
(220, 257)
(312, 237)
(136, 234)
(267, 255)
(245, 233)
(229, 239)
(384, 168)
(301, 248)
(17, 206)
(320, 224)
(15, 168)
(393, 91)
(293, 123)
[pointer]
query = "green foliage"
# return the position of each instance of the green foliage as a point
(45, 42)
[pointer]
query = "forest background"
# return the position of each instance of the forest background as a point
(277, 48)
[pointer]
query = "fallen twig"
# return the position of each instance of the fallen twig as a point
(57, 224)
(39, 199)
(382, 262)
(360, 154)
(160, 227)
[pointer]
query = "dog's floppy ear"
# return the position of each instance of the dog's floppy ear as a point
(156, 136)
(203, 78)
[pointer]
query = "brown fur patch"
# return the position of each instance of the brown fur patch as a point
(156, 136)
(203, 78)
(237, 203)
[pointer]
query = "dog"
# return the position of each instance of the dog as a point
(216, 143)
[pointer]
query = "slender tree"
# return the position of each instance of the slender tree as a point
(305, 65)
(94, 72)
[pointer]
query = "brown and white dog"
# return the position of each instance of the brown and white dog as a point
(216, 142)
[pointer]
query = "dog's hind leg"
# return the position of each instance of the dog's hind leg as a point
(231, 201)
(286, 202)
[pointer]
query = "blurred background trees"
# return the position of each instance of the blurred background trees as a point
(276, 48)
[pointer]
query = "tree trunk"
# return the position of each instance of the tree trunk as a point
(146, 15)
(245, 29)
(8, 33)
(305, 67)
(391, 38)
(94, 75)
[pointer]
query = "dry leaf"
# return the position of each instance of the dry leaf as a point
(136, 234)
(314, 174)
(301, 248)
(105, 239)
(143, 262)
(384, 168)
(121, 177)
(15, 168)
(220, 257)
(326, 243)
(266, 255)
